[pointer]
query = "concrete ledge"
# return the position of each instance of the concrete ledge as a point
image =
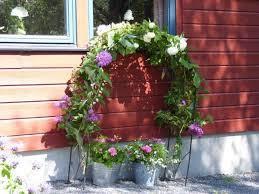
(215, 154)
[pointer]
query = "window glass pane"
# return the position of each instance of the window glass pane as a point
(107, 11)
(33, 17)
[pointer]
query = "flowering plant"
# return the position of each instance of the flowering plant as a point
(90, 83)
(105, 150)
(148, 153)
(15, 175)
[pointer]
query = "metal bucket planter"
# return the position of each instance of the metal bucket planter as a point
(145, 175)
(104, 176)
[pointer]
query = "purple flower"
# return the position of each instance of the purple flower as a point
(147, 149)
(14, 164)
(103, 59)
(183, 102)
(31, 190)
(14, 148)
(63, 103)
(92, 116)
(195, 129)
(3, 156)
(112, 151)
(58, 119)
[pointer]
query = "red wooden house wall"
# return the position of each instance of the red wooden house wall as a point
(223, 37)
(224, 40)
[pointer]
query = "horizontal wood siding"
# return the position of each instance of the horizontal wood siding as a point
(223, 37)
(32, 83)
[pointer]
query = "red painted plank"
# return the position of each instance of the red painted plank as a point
(48, 109)
(231, 86)
(31, 93)
(44, 125)
(220, 31)
(55, 92)
(231, 112)
(39, 60)
(27, 126)
(29, 109)
(228, 72)
(225, 59)
(58, 140)
(40, 141)
(234, 125)
(220, 17)
(129, 104)
(229, 99)
(224, 45)
(34, 76)
(233, 5)
(140, 89)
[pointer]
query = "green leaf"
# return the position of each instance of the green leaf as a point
(197, 80)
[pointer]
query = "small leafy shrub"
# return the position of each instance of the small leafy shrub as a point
(148, 153)
(16, 176)
(106, 151)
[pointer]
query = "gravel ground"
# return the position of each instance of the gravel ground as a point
(218, 184)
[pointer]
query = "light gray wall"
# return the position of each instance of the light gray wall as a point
(224, 154)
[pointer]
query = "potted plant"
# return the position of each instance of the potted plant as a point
(146, 158)
(107, 158)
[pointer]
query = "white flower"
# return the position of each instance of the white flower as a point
(151, 25)
(146, 38)
(128, 16)
(136, 45)
(151, 35)
(183, 44)
(2, 27)
(102, 29)
(20, 12)
(172, 50)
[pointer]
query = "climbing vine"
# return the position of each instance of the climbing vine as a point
(90, 83)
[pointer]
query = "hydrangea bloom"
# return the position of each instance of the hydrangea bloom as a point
(112, 151)
(128, 16)
(20, 12)
(183, 44)
(146, 149)
(151, 25)
(102, 29)
(92, 116)
(172, 50)
(195, 129)
(103, 59)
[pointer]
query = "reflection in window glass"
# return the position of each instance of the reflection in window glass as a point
(32, 17)
(108, 11)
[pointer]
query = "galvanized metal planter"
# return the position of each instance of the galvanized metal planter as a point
(145, 175)
(104, 176)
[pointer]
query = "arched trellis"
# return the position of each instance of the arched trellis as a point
(90, 83)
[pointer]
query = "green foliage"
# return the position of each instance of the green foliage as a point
(156, 156)
(90, 84)
(101, 153)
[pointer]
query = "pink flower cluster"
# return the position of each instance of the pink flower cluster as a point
(147, 149)
(112, 151)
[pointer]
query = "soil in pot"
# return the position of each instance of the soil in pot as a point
(103, 175)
